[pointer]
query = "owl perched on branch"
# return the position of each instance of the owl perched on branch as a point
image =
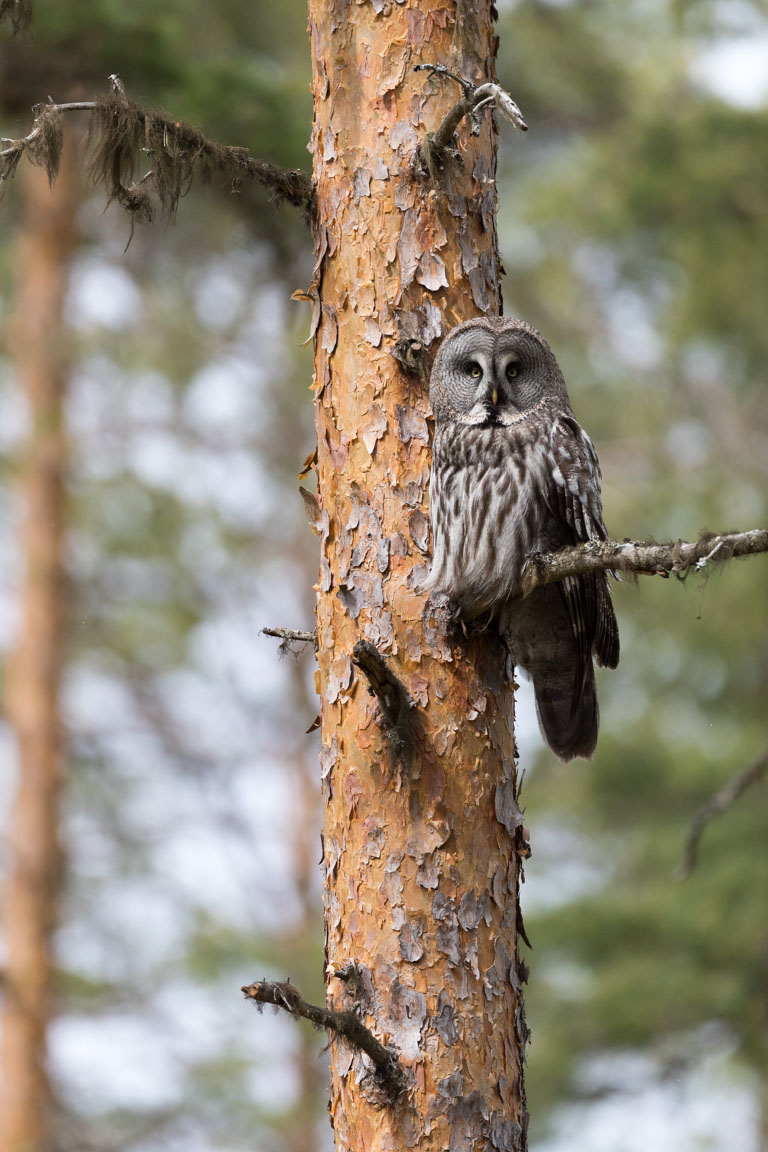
(514, 473)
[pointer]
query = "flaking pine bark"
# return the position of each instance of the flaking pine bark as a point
(420, 852)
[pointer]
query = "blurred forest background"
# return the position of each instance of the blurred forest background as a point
(634, 232)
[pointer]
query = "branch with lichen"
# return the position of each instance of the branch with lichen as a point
(289, 636)
(639, 557)
(717, 806)
(346, 1024)
(123, 136)
(439, 148)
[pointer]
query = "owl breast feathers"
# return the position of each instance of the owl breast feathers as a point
(514, 473)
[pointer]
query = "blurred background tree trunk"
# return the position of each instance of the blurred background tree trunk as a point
(45, 243)
(421, 869)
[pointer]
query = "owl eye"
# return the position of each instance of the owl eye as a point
(474, 370)
(511, 370)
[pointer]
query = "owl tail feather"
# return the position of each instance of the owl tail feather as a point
(553, 643)
(568, 712)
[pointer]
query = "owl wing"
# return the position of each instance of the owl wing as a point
(574, 499)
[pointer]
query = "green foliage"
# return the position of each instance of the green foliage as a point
(634, 230)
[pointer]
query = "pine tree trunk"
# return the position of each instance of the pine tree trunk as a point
(30, 896)
(420, 846)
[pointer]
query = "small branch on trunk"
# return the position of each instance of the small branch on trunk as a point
(719, 804)
(643, 558)
(394, 700)
(346, 1024)
(440, 147)
(290, 636)
(122, 134)
(413, 357)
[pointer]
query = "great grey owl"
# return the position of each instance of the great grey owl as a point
(514, 473)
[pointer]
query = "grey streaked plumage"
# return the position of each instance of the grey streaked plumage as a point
(514, 473)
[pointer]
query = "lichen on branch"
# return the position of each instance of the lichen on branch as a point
(440, 147)
(640, 557)
(289, 636)
(124, 137)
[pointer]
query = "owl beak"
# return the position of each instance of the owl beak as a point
(495, 397)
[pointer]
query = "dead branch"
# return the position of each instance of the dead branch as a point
(393, 697)
(289, 636)
(439, 147)
(346, 1024)
(719, 804)
(649, 559)
(122, 133)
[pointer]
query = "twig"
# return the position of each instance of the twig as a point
(702, 563)
(346, 1024)
(719, 804)
(640, 557)
(439, 147)
(24, 141)
(123, 130)
(289, 635)
(394, 700)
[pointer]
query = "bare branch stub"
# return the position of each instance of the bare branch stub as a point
(439, 148)
(393, 697)
(290, 636)
(346, 1024)
(640, 557)
(717, 806)
(413, 357)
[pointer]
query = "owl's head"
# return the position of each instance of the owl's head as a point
(493, 370)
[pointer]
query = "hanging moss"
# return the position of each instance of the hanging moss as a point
(42, 146)
(45, 149)
(146, 161)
